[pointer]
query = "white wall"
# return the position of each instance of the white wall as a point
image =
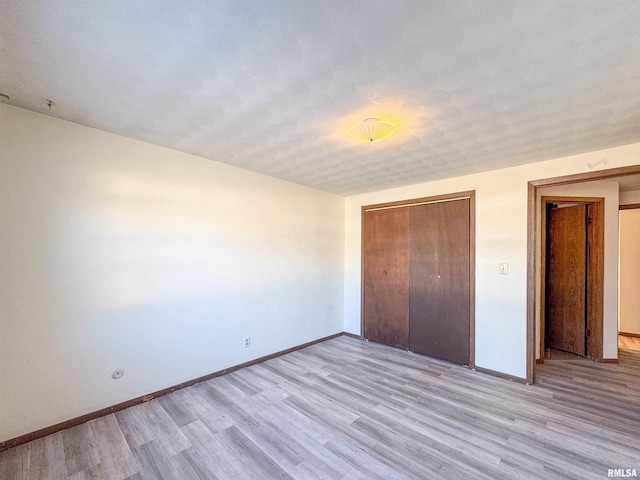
(629, 271)
(629, 198)
(610, 192)
(501, 236)
(120, 254)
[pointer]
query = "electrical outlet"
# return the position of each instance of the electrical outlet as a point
(247, 342)
(116, 374)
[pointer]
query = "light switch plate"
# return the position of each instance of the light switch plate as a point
(503, 268)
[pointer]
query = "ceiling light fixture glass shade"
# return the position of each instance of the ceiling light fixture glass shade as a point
(373, 130)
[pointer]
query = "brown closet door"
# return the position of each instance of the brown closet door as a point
(566, 278)
(386, 276)
(439, 308)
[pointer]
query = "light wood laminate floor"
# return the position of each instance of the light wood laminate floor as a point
(348, 409)
(627, 342)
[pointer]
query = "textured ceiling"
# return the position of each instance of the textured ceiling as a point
(275, 86)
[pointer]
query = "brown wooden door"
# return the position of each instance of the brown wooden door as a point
(439, 311)
(566, 279)
(386, 276)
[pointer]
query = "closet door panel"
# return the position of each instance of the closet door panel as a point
(439, 280)
(424, 330)
(386, 276)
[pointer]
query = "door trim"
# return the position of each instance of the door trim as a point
(532, 240)
(471, 195)
(595, 302)
(629, 206)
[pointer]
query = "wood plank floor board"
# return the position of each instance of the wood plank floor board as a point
(349, 409)
(482, 435)
(629, 343)
(253, 459)
(595, 419)
(208, 446)
(189, 464)
(474, 435)
(159, 427)
(445, 397)
(45, 455)
(324, 416)
(432, 453)
(316, 403)
(267, 375)
(604, 438)
(137, 476)
(317, 460)
(412, 461)
(304, 429)
(282, 448)
(80, 448)
(237, 381)
(325, 462)
(552, 459)
(115, 459)
(286, 371)
(488, 422)
(576, 446)
(316, 470)
(351, 400)
(250, 406)
(261, 379)
(155, 464)
(231, 390)
(175, 406)
(116, 468)
(217, 396)
(516, 469)
(428, 435)
(449, 443)
(134, 426)
(14, 463)
(385, 395)
(207, 412)
(616, 382)
(110, 440)
(361, 461)
(305, 364)
(267, 398)
(489, 384)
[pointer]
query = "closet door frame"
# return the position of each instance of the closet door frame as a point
(471, 195)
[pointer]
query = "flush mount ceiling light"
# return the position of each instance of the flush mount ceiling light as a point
(373, 130)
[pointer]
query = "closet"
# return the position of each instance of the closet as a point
(417, 276)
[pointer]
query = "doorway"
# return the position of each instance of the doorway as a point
(619, 175)
(629, 278)
(572, 272)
